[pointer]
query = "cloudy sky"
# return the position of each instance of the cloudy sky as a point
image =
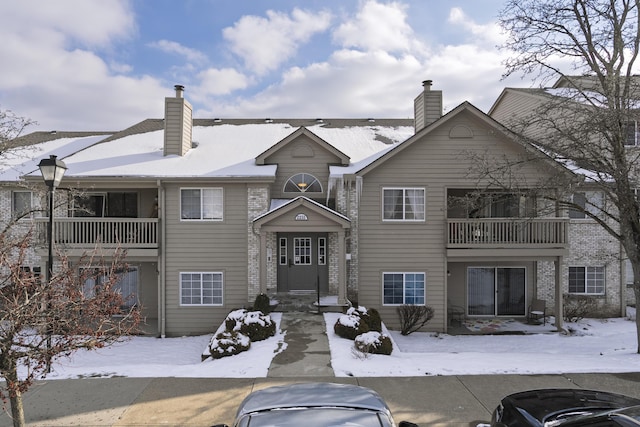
(105, 65)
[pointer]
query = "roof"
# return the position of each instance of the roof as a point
(227, 147)
(391, 151)
(27, 151)
(313, 395)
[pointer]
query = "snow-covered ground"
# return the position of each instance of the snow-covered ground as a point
(595, 345)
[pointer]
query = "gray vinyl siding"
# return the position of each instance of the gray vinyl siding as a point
(514, 109)
(206, 246)
(290, 162)
(433, 162)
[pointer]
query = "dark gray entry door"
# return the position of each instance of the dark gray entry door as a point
(302, 262)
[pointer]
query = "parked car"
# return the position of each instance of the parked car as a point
(315, 405)
(566, 408)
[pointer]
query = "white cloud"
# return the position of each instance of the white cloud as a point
(377, 26)
(57, 77)
(379, 74)
(86, 22)
(265, 43)
(487, 33)
(220, 82)
(189, 54)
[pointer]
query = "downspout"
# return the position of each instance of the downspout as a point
(162, 308)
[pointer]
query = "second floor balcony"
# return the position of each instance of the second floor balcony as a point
(88, 233)
(508, 233)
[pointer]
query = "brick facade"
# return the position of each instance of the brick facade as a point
(590, 246)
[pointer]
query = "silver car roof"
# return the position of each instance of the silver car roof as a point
(313, 395)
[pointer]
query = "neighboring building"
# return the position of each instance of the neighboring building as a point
(596, 265)
(214, 212)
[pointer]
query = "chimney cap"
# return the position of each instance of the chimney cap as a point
(427, 83)
(179, 90)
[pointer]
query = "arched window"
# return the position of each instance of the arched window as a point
(303, 183)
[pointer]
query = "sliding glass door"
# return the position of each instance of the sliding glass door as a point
(496, 291)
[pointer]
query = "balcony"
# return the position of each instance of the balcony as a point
(87, 233)
(508, 233)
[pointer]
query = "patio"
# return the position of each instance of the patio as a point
(500, 326)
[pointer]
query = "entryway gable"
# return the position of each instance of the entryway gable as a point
(302, 213)
(299, 134)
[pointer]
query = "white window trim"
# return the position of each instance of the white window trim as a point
(201, 273)
(404, 282)
(201, 207)
(302, 189)
(604, 280)
(322, 250)
(404, 189)
(282, 251)
(299, 258)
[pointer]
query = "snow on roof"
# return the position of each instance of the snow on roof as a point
(221, 151)
(22, 160)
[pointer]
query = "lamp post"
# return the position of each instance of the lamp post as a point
(52, 171)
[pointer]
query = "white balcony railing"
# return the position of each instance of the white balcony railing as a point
(107, 232)
(508, 232)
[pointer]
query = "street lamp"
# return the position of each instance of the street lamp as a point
(52, 171)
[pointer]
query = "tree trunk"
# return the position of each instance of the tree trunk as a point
(15, 395)
(17, 410)
(636, 292)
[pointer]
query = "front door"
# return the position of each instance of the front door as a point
(302, 262)
(496, 291)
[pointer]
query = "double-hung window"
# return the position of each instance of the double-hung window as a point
(632, 134)
(586, 280)
(587, 201)
(21, 204)
(403, 204)
(204, 204)
(403, 288)
(201, 288)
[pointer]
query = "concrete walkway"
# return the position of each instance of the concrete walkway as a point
(307, 351)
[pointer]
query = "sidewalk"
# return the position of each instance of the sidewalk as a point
(427, 401)
(307, 353)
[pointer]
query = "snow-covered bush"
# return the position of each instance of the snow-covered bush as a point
(350, 325)
(254, 324)
(227, 343)
(373, 342)
(241, 327)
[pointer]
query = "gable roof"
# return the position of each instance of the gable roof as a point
(463, 107)
(393, 151)
(290, 205)
(260, 159)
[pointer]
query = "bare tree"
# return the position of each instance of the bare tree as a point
(11, 127)
(591, 46)
(40, 321)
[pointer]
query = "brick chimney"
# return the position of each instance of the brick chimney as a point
(427, 107)
(177, 123)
